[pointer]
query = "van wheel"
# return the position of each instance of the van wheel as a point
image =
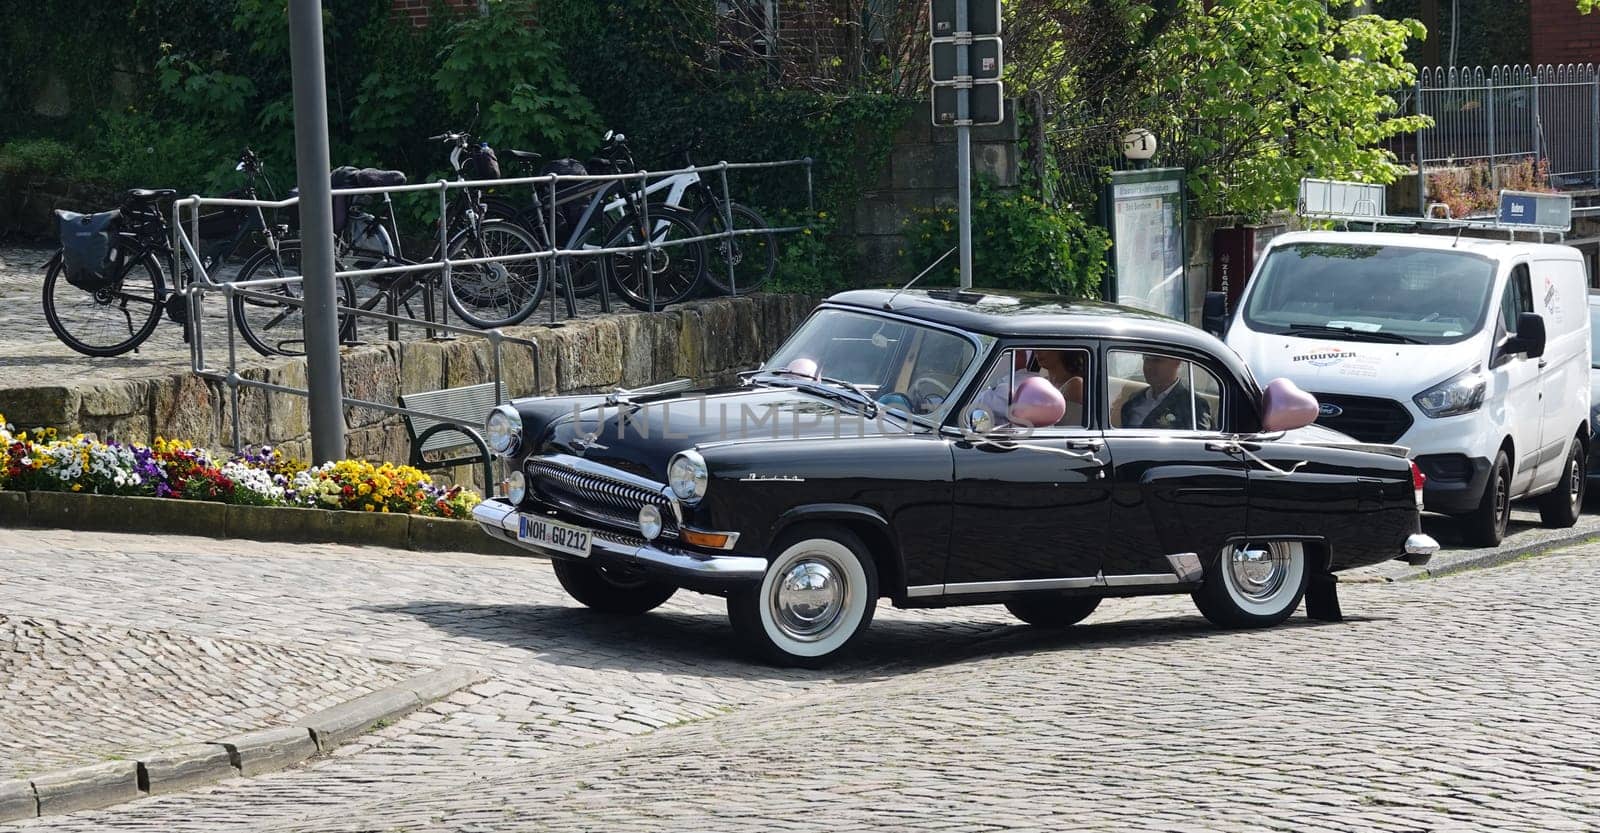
(1052, 611)
(609, 591)
(1254, 584)
(1486, 526)
(817, 597)
(1559, 507)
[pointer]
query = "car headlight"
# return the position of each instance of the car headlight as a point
(1459, 394)
(686, 475)
(516, 487)
(649, 521)
(503, 430)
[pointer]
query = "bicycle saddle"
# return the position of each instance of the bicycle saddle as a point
(150, 194)
(522, 155)
(349, 177)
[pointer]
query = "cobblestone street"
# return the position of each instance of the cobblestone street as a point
(1459, 703)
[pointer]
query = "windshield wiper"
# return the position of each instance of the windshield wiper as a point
(1326, 330)
(870, 404)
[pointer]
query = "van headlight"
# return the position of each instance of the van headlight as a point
(503, 430)
(686, 475)
(1459, 394)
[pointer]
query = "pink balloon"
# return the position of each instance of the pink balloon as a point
(804, 367)
(1285, 407)
(1036, 403)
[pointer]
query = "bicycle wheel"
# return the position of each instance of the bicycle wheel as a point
(275, 328)
(499, 294)
(670, 274)
(111, 321)
(754, 256)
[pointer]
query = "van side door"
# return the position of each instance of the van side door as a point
(1517, 381)
(1559, 286)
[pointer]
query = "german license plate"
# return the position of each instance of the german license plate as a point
(554, 535)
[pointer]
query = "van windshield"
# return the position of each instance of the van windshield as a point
(1371, 293)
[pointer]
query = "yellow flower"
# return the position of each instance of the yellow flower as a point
(77, 487)
(364, 489)
(367, 508)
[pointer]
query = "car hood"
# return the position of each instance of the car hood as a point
(642, 437)
(1349, 367)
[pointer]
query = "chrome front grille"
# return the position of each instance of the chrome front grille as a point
(608, 500)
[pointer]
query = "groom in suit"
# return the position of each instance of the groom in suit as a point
(1166, 402)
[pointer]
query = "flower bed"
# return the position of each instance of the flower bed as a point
(259, 476)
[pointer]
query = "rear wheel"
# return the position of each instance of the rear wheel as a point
(610, 591)
(1559, 507)
(1053, 611)
(498, 293)
(109, 321)
(1254, 585)
(753, 257)
(654, 278)
(1486, 526)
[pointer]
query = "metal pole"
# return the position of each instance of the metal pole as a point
(728, 240)
(1422, 164)
(1594, 127)
(964, 149)
(325, 388)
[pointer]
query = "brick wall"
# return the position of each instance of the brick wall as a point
(417, 10)
(1562, 36)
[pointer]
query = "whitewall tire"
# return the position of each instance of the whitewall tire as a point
(1255, 584)
(817, 597)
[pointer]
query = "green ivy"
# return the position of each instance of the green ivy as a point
(1017, 243)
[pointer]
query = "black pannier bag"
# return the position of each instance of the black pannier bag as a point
(481, 163)
(570, 203)
(222, 222)
(87, 245)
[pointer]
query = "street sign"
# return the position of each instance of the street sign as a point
(985, 105)
(984, 60)
(983, 17)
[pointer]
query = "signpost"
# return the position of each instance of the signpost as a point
(966, 61)
(1144, 211)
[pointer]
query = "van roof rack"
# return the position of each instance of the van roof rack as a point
(1361, 202)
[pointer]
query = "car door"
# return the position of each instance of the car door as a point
(1176, 489)
(1031, 502)
(1518, 377)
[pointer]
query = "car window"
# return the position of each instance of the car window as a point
(1151, 390)
(1518, 298)
(1012, 398)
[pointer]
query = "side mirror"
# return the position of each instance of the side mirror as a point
(1214, 315)
(980, 421)
(1285, 407)
(1530, 336)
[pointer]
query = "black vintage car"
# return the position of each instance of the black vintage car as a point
(949, 447)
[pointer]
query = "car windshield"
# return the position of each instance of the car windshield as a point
(1371, 293)
(904, 366)
(1594, 334)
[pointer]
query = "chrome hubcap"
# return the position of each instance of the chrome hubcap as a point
(1575, 482)
(808, 598)
(1259, 573)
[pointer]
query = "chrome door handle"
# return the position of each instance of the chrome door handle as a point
(1086, 444)
(1542, 363)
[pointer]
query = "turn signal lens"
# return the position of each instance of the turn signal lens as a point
(709, 540)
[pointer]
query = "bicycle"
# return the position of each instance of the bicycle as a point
(113, 306)
(647, 280)
(489, 295)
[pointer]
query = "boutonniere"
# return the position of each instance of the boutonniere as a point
(1167, 420)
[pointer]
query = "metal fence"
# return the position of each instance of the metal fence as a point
(187, 245)
(1544, 116)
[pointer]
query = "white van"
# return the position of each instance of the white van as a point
(1473, 353)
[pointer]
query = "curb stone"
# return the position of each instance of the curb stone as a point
(1479, 559)
(253, 753)
(17, 801)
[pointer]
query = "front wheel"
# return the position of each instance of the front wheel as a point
(1254, 585)
(1486, 526)
(498, 293)
(1559, 507)
(817, 597)
(273, 327)
(609, 591)
(653, 278)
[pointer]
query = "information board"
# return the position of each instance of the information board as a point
(1143, 210)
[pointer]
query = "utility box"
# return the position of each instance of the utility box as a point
(1234, 252)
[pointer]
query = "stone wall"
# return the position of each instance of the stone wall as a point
(27, 200)
(707, 341)
(921, 173)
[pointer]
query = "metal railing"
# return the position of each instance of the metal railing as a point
(1547, 117)
(186, 245)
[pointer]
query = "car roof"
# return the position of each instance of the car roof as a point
(1491, 248)
(1006, 313)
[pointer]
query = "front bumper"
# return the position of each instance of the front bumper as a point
(1455, 482)
(612, 549)
(1420, 548)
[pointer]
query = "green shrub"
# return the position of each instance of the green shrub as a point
(36, 157)
(1018, 242)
